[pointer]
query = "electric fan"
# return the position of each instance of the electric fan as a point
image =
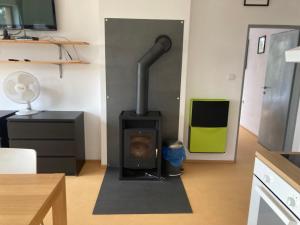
(22, 88)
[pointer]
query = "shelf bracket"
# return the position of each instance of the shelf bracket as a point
(60, 67)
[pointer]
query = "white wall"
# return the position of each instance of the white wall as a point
(255, 79)
(80, 87)
(217, 47)
(83, 87)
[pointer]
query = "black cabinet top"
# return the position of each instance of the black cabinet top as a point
(44, 116)
(5, 113)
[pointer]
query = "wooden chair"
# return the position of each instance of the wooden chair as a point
(17, 161)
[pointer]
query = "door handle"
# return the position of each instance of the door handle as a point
(266, 87)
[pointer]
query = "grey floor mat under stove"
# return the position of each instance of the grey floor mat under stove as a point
(141, 197)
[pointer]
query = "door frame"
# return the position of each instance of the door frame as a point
(251, 26)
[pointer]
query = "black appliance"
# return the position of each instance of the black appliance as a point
(28, 14)
(140, 145)
(138, 148)
(293, 158)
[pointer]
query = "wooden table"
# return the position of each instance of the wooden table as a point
(26, 199)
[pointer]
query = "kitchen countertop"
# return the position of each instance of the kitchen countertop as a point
(282, 166)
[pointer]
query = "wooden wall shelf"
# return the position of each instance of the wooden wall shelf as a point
(55, 42)
(60, 43)
(55, 62)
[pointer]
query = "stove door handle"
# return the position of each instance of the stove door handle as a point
(276, 205)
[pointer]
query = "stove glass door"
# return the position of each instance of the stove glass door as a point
(140, 151)
(267, 216)
(267, 209)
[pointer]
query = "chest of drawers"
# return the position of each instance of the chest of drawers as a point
(57, 137)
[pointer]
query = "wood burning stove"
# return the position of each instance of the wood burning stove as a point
(140, 145)
(140, 130)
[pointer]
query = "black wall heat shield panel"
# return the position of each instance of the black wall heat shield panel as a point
(126, 41)
(209, 113)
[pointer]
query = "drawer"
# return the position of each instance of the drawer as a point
(40, 130)
(47, 147)
(65, 165)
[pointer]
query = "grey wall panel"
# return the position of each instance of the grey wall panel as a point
(127, 40)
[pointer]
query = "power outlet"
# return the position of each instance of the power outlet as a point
(231, 77)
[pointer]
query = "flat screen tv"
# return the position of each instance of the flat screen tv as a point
(28, 14)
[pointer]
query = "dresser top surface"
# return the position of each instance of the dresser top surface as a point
(49, 116)
(4, 113)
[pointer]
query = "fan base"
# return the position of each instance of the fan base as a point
(26, 112)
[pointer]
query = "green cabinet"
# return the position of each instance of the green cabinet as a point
(208, 125)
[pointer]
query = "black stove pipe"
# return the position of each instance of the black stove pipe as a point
(162, 45)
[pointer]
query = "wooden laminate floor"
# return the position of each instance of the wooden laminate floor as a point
(219, 193)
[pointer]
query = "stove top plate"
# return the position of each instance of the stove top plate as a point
(293, 158)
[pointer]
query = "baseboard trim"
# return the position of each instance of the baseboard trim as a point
(249, 131)
(96, 162)
(189, 161)
(195, 161)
